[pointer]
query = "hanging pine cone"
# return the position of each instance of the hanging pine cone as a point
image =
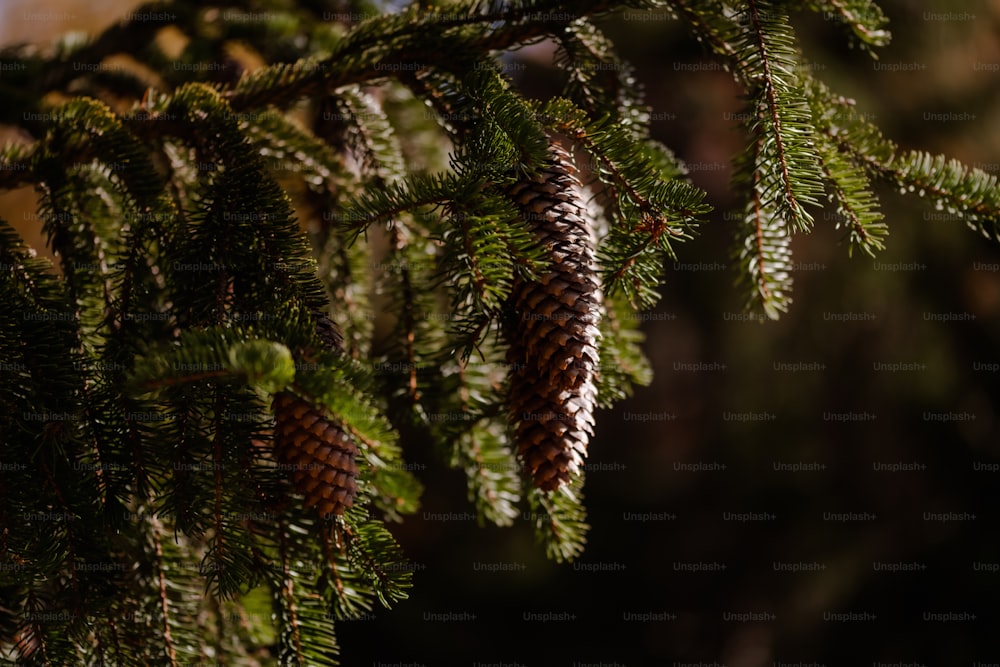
(317, 451)
(553, 350)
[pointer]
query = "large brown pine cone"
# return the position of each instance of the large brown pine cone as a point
(553, 339)
(317, 453)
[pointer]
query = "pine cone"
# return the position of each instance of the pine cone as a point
(553, 350)
(318, 453)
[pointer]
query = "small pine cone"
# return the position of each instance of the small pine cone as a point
(318, 452)
(553, 339)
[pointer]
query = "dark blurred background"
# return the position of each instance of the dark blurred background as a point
(782, 494)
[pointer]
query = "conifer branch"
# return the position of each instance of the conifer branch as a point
(351, 596)
(764, 255)
(375, 553)
(599, 81)
(479, 445)
(374, 138)
(400, 39)
(856, 205)
(865, 20)
(291, 630)
(622, 360)
(781, 114)
(970, 194)
(560, 520)
(163, 600)
(710, 22)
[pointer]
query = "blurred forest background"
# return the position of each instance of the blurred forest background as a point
(635, 597)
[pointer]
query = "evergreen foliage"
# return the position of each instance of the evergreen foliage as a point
(208, 226)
